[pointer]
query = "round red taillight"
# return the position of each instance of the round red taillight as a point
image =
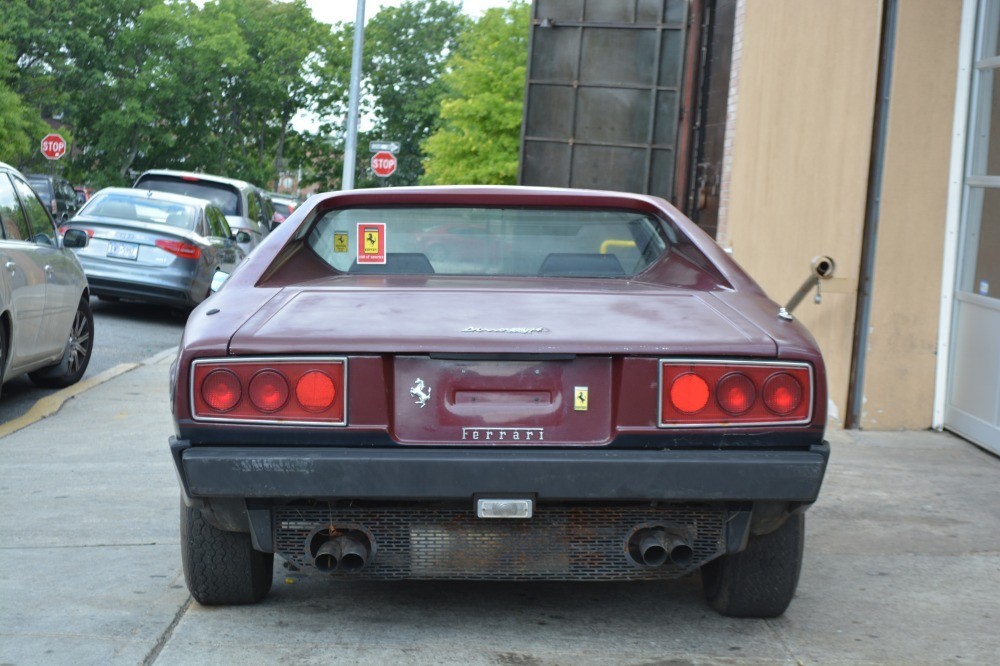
(689, 393)
(782, 393)
(221, 390)
(268, 391)
(735, 393)
(315, 391)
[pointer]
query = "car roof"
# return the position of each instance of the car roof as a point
(42, 176)
(7, 167)
(193, 175)
(141, 193)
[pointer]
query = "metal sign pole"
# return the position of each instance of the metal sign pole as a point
(351, 140)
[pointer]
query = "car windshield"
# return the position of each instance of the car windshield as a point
(142, 209)
(490, 241)
(224, 196)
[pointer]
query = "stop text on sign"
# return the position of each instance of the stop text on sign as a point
(53, 146)
(383, 164)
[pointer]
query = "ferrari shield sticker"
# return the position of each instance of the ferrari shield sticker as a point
(340, 241)
(580, 398)
(371, 242)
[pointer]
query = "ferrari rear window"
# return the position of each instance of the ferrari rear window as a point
(546, 242)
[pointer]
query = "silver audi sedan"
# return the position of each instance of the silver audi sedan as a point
(154, 246)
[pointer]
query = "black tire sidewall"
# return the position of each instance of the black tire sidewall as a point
(760, 581)
(221, 568)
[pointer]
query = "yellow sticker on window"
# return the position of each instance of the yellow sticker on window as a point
(371, 240)
(340, 241)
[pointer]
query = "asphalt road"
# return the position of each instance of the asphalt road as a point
(123, 333)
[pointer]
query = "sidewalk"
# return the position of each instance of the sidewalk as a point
(902, 565)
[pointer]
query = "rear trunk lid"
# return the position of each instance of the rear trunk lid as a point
(133, 243)
(363, 314)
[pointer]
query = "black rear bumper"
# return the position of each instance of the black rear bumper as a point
(207, 472)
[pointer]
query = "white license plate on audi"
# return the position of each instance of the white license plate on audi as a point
(120, 250)
(504, 508)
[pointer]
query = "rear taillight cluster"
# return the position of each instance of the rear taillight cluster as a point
(179, 248)
(260, 390)
(64, 228)
(726, 393)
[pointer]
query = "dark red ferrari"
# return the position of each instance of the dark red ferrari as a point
(596, 392)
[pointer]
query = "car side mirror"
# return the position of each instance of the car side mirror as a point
(75, 238)
(218, 280)
(243, 237)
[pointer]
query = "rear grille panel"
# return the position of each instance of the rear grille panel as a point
(561, 542)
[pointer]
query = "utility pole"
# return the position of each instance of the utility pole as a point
(351, 141)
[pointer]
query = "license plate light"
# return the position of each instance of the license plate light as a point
(504, 508)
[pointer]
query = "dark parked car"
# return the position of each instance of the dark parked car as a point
(57, 194)
(603, 395)
(284, 205)
(46, 328)
(154, 246)
(244, 205)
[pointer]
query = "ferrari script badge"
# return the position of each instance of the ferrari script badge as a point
(419, 394)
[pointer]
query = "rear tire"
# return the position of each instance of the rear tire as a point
(761, 580)
(221, 568)
(76, 354)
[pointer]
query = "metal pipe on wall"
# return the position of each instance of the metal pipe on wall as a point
(862, 317)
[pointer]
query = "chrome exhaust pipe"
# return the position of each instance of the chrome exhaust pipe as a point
(681, 553)
(655, 547)
(329, 556)
(354, 553)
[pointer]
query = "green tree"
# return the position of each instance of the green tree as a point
(479, 137)
(406, 48)
(21, 126)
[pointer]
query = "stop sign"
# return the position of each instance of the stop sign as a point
(53, 146)
(383, 164)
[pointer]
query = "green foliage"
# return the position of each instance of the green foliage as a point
(21, 127)
(406, 49)
(215, 86)
(479, 138)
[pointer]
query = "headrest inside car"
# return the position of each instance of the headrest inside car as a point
(569, 264)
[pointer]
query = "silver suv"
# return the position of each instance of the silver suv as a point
(46, 327)
(244, 205)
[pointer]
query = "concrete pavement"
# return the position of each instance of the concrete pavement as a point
(902, 565)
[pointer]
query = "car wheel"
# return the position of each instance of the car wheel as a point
(221, 568)
(761, 580)
(76, 355)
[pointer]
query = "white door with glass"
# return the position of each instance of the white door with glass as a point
(972, 407)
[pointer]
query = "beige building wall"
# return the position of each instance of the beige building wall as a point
(899, 375)
(800, 156)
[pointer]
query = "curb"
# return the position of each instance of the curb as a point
(51, 404)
